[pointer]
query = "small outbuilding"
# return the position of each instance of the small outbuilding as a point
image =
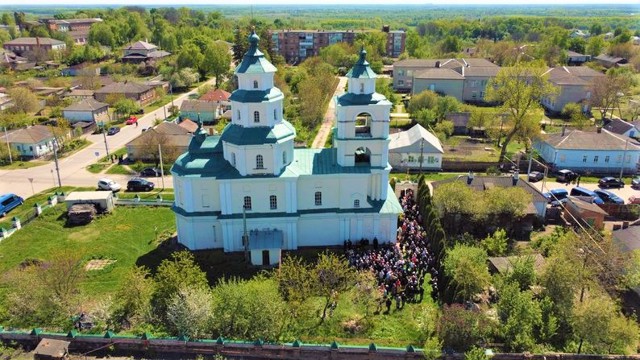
(103, 200)
(577, 210)
(415, 148)
(51, 349)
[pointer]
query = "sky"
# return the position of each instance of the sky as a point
(301, 2)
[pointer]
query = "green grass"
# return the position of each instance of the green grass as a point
(127, 235)
(97, 168)
(120, 170)
(74, 146)
(106, 159)
(167, 194)
(17, 164)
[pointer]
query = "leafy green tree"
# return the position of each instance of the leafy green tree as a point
(101, 34)
(216, 60)
(522, 272)
(385, 87)
(132, 305)
(450, 44)
(332, 276)
(125, 107)
(425, 117)
(595, 45)
(424, 100)
(189, 312)
(519, 89)
(519, 316)
(496, 244)
(446, 105)
(178, 272)
(184, 78)
(24, 100)
(460, 329)
(189, 56)
(466, 267)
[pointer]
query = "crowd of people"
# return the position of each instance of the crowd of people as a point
(399, 267)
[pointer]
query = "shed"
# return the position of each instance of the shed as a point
(49, 349)
(265, 246)
(103, 199)
(504, 264)
(584, 212)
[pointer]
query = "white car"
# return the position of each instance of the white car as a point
(108, 184)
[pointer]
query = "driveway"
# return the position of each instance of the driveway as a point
(73, 168)
(329, 117)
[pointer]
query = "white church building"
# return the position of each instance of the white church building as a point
(250, 178)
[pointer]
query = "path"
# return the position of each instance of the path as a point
(329, 117)
(73, 168)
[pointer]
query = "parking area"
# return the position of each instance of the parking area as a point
(550, 183)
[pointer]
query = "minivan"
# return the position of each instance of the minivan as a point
(556, 197)
(566, 176)
(580, 191)
(9, 202)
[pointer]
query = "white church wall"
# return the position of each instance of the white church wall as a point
(259, 190)
(199, 232)
(328, 186)
(319, 230)
(246, 81)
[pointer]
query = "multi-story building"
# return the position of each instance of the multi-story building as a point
(297, 45)
(23, 45)
(71, 24)
(574, 86)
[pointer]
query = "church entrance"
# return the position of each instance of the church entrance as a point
(363, 156)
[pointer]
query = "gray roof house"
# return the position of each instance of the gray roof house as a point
(33, 142)
(406, 148)
(143, 94)
(198, 109)
(89, 110)
(621, 127)
(573, 83)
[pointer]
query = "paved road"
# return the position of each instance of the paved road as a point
(329, 117)
(73, 168)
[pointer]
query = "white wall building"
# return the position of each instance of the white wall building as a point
(290, 197)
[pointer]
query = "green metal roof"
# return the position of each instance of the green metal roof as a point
(254, 61)
(256, 96)
(240, 135)
(347, 99)
(361, 69)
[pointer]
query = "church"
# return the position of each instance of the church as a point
(248, 189)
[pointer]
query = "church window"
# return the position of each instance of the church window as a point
(356, 203)
(256, 116)
(273, 202)
(255, 84)
(318, 198)
(247, 202)
(233, 159)
(284, 157)
(275, 114)
(239, 115)
(259, 162)
(361, 87)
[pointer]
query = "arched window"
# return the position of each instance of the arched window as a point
(284, 157)
(361, 87)
(239, 115)
(318, 198)
(356, 203)
(247, 202)
(259, 162)
(256, 116)
(233, 159)
(275, 114)
(255, 84)
(273, 202)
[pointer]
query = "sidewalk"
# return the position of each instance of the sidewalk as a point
(329, 117)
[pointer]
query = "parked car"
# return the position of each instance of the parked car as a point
(635, 182)
(9, 202)
(608, 197)
(634, 200)
(139, 184)
(150, 171)
(555, 197)
(610, 182)
(131, 120)
(535, 176)
(566, 176)
(108, 184)
(580, 191)
(113, 130)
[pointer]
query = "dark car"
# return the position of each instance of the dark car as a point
(608, 197)
(635, 182)
(137, 184)
(113, 130)
(610, 182)
(535, 176)
(556, 197)
(566, 176)
(150, 171)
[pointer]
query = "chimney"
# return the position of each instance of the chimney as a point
(470, 177)
(438, 63)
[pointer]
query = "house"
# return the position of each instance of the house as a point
(51, 349)
(220, 98)
(573, 84)
(88, 110)
(140, 93)
(290, 197)
(141, 51)
(407, 148)
(600, 152)
(28, 45)
(84, 68)
(574, 58)
(33, 141)
(79, 94)
(464, 79)
(198, 109)
(189, 125)
(580, 211)
(173, 138)
(158, 84)
(460, 122)
(65, 25)
(577, 33)
(621, 127)
(80, 37)
(610, 61)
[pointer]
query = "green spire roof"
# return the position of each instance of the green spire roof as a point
(362, 70)
(254, 61)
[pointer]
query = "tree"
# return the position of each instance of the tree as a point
(520, 89)
(25, 101)
(89, 79)
(332, 275)
(216, 60)
(132, 306)
(496, 244)
(189, 312)
(519, 316)
(184, 78)
(445, 128)
(101, 34)
(424, 100)
(450, 44)
(179, 271)
(445, 105)
(466, 267)
(595, 45)
(189, 56)
(460, 329)
(605, 93)
(125, 107)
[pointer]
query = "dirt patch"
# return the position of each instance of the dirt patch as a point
(98, 264)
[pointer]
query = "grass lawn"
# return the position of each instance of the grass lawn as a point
(97, 168)
(167, 194)
(120, 170)
(17, 164)
(128, 235)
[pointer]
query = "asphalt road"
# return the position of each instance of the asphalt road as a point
(550, 184)
(26, 182)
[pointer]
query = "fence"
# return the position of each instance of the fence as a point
(137, 201)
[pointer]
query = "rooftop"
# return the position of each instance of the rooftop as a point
(412, 136)
(34, 41)
(31, 135)
(88, 104)
(197, 106)
(618, 126)
(126, 87)
(582, 140)
(141, 45)
(254, 61)
(216, 95)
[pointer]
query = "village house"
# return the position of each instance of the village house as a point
(68, 25)
(621, 127)
(408, 148)
(198, 110)
(220, 98)
(574, 58)
(79, 94)
(573, 84)
(26, 46)
(581, 211)
(140, 93)
(173, 138)
(32, 142)
(609, 61)
(141, 51)
(88, 110)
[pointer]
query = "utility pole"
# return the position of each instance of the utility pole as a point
(104, 135)
(624, 156)
(161, 165)
(55, 158)
(245, 237)
(6, 137)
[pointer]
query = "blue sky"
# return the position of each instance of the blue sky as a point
(300, 2)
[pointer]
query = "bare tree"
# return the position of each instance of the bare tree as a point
(606, 92)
